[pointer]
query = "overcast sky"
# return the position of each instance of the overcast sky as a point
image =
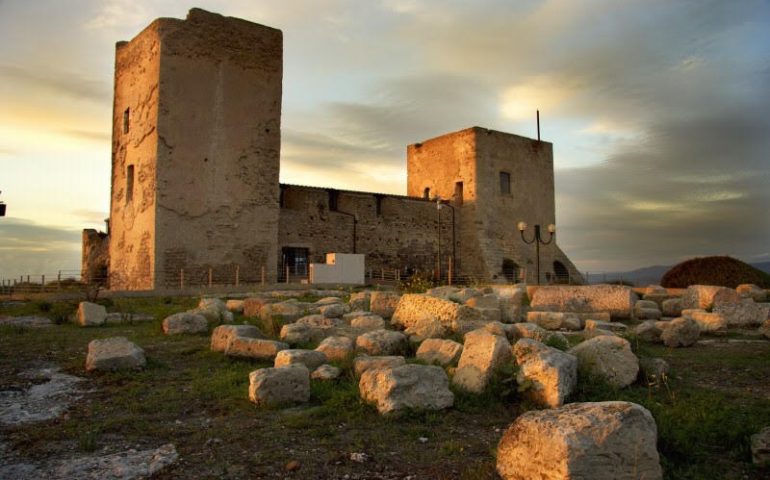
(659, 111)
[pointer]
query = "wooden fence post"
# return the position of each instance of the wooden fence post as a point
(181, 279)
(237, 275)
(211, 276)
(263, 275)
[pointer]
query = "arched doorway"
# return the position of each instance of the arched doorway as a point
(560, 273)
(510, 270)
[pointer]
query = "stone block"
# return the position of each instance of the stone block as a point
(440, 352)
(256, 348)
(679, 332)
(748, 290)
(554, 320)
(408, 387)
(185, 323)
(672, 307)
(91, 314)
(311, 359)
(707, 321)
(609, 358)
(364, 363)
(483, 353)
(279, 386)
(326, 372)
(222, 335)
(336, 348)
(116, 353)
(743, 314)
(382, 342)
(617, 300)
(384, 303)
(704, 296)
(550, 373)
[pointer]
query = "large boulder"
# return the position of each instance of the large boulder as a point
(311, 359)
(649, 331)
(554, 320)
(617, 300)
(235, 305)
(335, 310)
(483, 353)
(368, 322)
(278, 386)
(749, 290)
(672, 307)
(743, 314)
(360, 301)
(432, 317)
(287, 311)
(707, 321)
(440, 352)
(705, 296)
(384, 303)
(299, 333)
(412, 387)
(597, 441)
(336, 348)
(256, 348)
(116, 353)
(647, 310)
(222, 335)
(609, 358)
(679, 332)
(550, 373)
(326, 372)
(185, 322)
(91, 314)
(382, 342)
(365, 363)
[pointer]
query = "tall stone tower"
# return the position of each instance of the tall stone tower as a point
(493, 180)
(195, 152)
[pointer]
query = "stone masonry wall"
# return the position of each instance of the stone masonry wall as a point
(96, 256)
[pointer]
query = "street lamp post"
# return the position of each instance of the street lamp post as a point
(537, 240)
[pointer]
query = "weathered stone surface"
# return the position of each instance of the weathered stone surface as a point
(647, 310)
(382, 342)
(26, 322)
(364, 363)
(707, 321)
(446, 292)
(299, 333)
(655, 290)
(336, 348)
(488, 300)
(91, 314)
(335, 310)
(326, 372)
(213, 310)
(511, 301)
(289, 311)
(616, 327)
(369, 322)
(115, 353)
(748, 290)
(597, 441)
(252, 306)
(550, 373)
(185, 322)
(256, 348)
(439, 352)
(329, 301)
(360, 301)
(653, 368)
(680, 332)
(645, 304)
(49, 397)
(764, 329)
(672, 307)
(554, 320)
(235, 306)
(465, 294)
(432, 317)
(413, 387)
(277, 386)
(617, 300)
(311, 359)
(517, 331)
(760, 448)
(704, 296)
(222, 335)
(483, 353)
(649, 331)
(319, 321)
(742, 314)
(610, 358)
(384, 303)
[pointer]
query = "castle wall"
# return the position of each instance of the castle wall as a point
(404, 234)
(134, 149)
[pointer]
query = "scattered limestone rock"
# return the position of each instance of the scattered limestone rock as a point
(115, 353)
(742, 314)
(617, 300)
(511, 301)
(607, 357)
(554, 320)
(311, 359)
(26, 322)
(596, 440)
(653, 368)
(384, 303)
(704, 296)
(655, 290)
(334, 310)
(235, 306)
(298, 333)
(185, 322)
(360, 301)
(364, 363)
(647, 310)
(765, 328)
(433, 317)
(760, 448)
(482, 354)
(441, 352)
(91, 314)
(42, 401)
(445, 291)
(319, 321)
(616, 327)
(465, 294)
(488, 300)
(707, 321)
(329, 301)
(127, 465)
(336, 348)
(649, 331)
(748, 290)
(550, 373)
(680, 332)
(222, 335)
(369, 322)
(214, 310)
(278, 386)
(413, 387)
(672, 307)
(256, 348)
(288, 311)
(382, 342)
(252, 306)
(326, 372)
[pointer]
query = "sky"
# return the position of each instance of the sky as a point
(659, 111)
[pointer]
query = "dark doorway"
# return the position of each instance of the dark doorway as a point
(296, 260)
(510, 270)
(560, 273)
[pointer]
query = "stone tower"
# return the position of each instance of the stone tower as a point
(493, 180)
(195, 152)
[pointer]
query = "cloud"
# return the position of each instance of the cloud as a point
(90, 135)
(27, 248)
(59, 82)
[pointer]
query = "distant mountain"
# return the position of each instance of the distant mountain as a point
(649, 275)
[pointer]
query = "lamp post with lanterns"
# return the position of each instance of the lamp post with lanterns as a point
(537, 240)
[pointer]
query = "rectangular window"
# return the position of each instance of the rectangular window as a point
(126, 116)
(505, 183)
(333, 197)
(459, 193)
(378, 204)
(129, 183)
